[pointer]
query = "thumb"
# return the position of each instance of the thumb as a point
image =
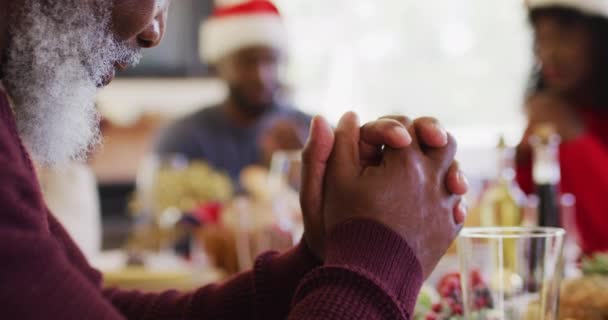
(314, 162)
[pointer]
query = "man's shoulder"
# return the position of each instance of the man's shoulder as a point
(196, 121)
(10, 144)
(210, 113)
(295, 114)
(10, 149)
(186, 134)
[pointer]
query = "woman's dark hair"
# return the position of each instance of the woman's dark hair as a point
(598, 26)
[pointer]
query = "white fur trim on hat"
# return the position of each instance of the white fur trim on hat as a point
(225, 35)
(592, 7)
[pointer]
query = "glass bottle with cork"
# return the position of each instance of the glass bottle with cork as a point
(501, 205)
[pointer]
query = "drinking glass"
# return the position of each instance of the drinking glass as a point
(527, 288)
(285, 227)
(154, 227)
(284, 181)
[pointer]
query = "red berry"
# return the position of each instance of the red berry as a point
(448, 277)
(437, 307)
(457, 309)
(431, 316)
(450, 286)
(445, 292)
(454, 283)
(476, 278)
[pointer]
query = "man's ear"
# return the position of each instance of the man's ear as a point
(222, 68)
(212, 70)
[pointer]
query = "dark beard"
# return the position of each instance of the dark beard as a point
(245, 106)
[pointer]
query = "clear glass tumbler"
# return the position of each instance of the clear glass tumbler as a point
(527, 288)
(284, 181)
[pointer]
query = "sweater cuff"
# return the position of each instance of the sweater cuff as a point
(297, 261)
(277, 277)
(378, 253)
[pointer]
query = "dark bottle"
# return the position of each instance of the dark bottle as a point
(546, 172)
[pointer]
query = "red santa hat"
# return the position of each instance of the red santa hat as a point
(591, 7)
(236, 24)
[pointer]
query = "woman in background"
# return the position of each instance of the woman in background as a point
(570, 91)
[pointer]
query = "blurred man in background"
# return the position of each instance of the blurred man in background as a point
(246, 43)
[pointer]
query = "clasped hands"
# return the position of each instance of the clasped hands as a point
(395, 171)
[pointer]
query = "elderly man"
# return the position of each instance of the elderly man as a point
(377, 218)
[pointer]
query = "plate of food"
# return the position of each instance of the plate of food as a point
(585, 297)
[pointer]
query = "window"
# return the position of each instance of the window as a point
(465, 61)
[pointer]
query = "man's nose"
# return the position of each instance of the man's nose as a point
(152, 35)
(264, 74)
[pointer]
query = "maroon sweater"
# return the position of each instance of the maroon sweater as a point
(369, 272)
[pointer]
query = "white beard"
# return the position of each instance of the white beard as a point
(59, 52)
